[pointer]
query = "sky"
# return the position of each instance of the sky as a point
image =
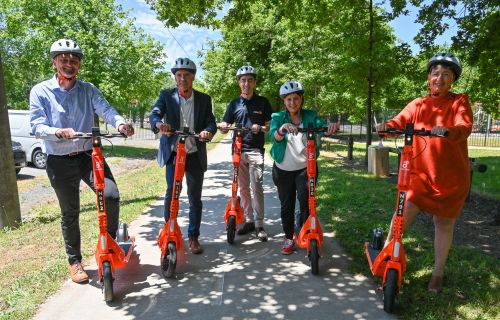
(188, 40)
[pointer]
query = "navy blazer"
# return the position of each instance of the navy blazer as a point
(167, 110)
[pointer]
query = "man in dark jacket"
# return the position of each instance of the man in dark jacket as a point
(175, 109)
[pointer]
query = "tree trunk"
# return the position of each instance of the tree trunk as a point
(370, 88)
(10, 212)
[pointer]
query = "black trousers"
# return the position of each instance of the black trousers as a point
(65, 174)
(194, 179)
(291, 185)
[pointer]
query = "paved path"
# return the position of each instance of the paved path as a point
(247, 280)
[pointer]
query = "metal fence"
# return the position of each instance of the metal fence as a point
(358, 131)
(479, 138)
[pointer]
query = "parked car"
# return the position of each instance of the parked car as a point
(20, 130)
(19, 156)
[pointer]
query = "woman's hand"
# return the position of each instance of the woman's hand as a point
(288, 127)
(381, 127)
(439, 131)
(332, 127)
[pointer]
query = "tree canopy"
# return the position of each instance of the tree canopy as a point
(121, 60)
(476, 43)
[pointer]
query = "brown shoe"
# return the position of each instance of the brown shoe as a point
(436, 284)
(194, 246)
(78, 274)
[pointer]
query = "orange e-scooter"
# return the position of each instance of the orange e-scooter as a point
(170, 237)
(233, 214)
(110, 253)
(310, 236)
(389, 261)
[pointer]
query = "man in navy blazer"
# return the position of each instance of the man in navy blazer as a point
(177, 108)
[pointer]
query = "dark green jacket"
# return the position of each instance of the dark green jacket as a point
(279, 118)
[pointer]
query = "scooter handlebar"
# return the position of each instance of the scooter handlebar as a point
(422, 132)
(86, 135)
(306, 130)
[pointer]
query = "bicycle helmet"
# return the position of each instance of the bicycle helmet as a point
(448, 60)
(65, 46)
(291, 87)
(246, 70)
(183, 63)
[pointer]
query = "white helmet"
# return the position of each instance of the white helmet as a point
(65, 46)
(446, 59)
(183, 63)
(291, 87)
(246, 70)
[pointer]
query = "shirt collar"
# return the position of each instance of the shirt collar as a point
(54, 84)
(190, 99)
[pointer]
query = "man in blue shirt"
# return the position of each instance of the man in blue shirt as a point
(59, 108)
(254, 112)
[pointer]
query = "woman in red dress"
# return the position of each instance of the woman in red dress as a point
(440, 168)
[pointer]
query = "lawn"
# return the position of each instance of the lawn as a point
(352, 202)
(32, 269)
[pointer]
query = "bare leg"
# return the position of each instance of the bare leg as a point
(443, 237)
(411, 211)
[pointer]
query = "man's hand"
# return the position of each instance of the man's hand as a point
(255, 128)
(164, 128)
(206, 136)
(222, 127)
(65, 133)
(126, 129)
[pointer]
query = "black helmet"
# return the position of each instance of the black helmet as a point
(446, 59)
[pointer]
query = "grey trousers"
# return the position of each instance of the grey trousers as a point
(250, 179)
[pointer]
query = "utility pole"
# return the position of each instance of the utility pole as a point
(10, 212)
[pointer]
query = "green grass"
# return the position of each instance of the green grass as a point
(352, 202)
(31, 270)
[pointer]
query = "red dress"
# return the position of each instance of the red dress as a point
(439, 182)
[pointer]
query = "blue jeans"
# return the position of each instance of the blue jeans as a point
(194, 179)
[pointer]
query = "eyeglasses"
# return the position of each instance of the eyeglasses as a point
(249, 80)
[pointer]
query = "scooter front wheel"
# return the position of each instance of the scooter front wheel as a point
(107, 281)
(169, 261)
(231, 229)
(390, 289)
(314, 256)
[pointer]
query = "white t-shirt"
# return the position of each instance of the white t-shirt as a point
(295, 153)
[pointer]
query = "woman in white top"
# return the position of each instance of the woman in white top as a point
(289, 154)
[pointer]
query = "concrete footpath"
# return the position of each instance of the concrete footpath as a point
(247, 280)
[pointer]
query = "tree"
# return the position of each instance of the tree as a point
(477, 41)
(121, 60)
(10, 212)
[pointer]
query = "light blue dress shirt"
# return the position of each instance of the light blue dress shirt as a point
(53, 108)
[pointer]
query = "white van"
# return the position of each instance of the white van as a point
(20, 130)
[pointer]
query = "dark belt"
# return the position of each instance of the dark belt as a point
(70, 155)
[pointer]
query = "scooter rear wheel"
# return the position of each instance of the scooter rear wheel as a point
(390, 289)
(314, 256)
(170, 261)
(107, 280)
(231, 229)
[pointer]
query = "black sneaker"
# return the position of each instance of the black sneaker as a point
(247, 227)
(261, 234)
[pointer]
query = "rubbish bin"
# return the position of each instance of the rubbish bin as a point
(378, 160)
